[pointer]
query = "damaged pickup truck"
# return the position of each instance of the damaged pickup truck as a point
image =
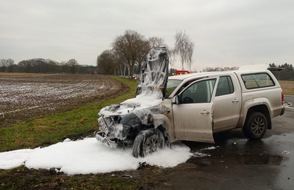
(190, 107)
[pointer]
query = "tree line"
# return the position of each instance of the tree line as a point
(212, 69)
(129, 51)
(283, 72)
(125, 58)
(39, 65)
(286, 71)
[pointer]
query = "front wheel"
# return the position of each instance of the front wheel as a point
(255, 126)
(148, 141)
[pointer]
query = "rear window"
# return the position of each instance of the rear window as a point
(257, 80)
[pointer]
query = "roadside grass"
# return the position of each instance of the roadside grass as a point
(288, 87)
(42, 179)
(24, 178)
(51, 129)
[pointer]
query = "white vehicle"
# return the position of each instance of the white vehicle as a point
(190, 107)
(205, 103)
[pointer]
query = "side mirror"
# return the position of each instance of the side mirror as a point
(175, 100)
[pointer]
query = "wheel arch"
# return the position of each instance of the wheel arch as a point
(262, 108)
(164, 131)
(162, 123)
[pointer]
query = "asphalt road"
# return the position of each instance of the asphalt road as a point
(238, 163)
(289, 100)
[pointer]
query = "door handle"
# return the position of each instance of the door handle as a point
(204, 112)
(235, 100)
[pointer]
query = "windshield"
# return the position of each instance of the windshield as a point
(171, 86)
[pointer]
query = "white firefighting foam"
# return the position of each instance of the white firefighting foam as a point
(89, 156)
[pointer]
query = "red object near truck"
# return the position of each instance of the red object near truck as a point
(182, 72)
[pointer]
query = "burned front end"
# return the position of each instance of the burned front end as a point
(119, 124)
(121, 130)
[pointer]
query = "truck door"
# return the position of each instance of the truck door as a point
(192, 112)
(227, 103)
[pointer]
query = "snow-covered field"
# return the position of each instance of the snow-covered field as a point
(90, 156)
(23, 97)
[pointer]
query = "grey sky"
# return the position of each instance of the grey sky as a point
(225, 32)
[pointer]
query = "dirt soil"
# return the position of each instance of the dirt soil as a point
(28, 96)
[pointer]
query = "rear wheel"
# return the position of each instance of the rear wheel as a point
(255, 126)
(148, 141)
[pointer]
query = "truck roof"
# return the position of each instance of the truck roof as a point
(204, 74)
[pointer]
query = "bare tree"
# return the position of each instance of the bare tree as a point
(156, 42)
(172, 55)
(120, 66)
(131, 49)
(73, 65)
(184, 47)
(6, 65)
(106, 63)
(159, 42)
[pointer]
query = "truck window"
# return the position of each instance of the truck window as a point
(198, 92)
(172, 84)
(257, 80)
(225, 86)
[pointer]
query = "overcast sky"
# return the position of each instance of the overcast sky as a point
(225, 32)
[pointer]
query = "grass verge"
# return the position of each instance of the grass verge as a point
(23, 178)
(288, 87)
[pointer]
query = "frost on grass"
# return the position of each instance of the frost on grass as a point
(25, 97)
(89, 156)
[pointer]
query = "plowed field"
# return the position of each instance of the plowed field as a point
(27, 96)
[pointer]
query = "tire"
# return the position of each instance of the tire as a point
(255, 126)
(148, 141)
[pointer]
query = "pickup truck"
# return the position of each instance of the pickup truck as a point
(190, 107)
(205, 103)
